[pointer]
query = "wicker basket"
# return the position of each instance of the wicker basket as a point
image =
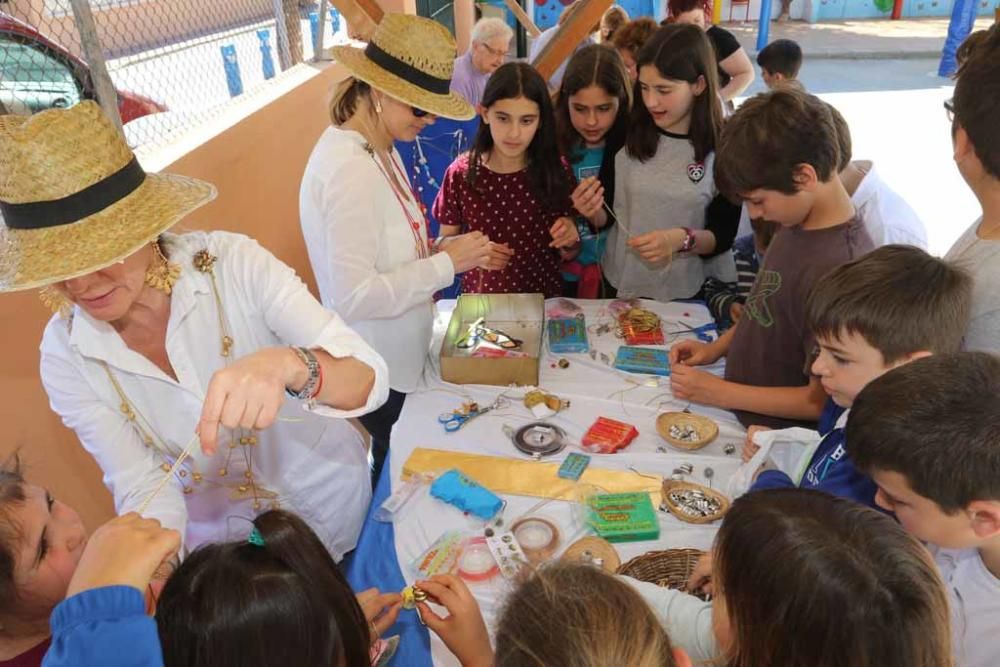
(667, 569)
(706, 428)
(596, 547)
(673, 485)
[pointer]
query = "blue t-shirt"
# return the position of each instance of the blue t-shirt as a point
(830, 469)
(591, 244)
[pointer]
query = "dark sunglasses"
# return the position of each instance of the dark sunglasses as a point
(418, 112)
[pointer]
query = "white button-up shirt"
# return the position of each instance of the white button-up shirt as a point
(317, 466)
(363, 253)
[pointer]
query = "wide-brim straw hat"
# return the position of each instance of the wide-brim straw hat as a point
(412, 59)
(74, 199)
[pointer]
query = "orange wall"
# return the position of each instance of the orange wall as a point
(257, 165)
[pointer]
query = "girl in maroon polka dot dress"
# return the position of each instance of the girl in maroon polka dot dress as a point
(514, 187)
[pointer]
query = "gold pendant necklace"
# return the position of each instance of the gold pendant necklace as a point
(241, 444)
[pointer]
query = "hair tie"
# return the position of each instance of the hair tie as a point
(255, 537)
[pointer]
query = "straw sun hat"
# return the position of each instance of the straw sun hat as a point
(410, 58)
(74, 199)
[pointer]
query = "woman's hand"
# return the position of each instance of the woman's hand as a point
(381, 609)
(124, 552)
(463, 630)
(500, 256)
(749, 446)
(588, 197)
(658, 245)
(467, 251)
(564, 233)
(249, 393)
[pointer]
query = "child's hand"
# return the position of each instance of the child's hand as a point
(701, 576)
(749, 446)
(658, 245)
(500, 256)
(693, 353)
(694, 385)
(463, 630)
(564, 233)
(124, 552)
(736, 312)
(381, 609)
(588, 197)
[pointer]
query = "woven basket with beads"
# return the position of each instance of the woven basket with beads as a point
(707, 429)
(668, 569)
(676, 485)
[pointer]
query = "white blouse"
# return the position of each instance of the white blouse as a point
(364, 255)
(317, 466)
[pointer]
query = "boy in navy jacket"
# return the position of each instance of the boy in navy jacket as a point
(892, 306)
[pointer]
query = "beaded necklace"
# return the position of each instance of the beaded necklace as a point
(242, 441)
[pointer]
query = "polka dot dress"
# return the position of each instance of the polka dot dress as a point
(503, 207)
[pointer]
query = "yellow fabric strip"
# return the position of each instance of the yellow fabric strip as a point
(526, 478)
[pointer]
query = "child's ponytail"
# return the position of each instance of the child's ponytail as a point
(275, 598)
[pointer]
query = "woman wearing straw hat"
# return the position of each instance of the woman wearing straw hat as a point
(364, 227)
(163, 335)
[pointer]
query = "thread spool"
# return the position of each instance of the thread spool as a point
(539, 538)
(476, 564)
(540, 439)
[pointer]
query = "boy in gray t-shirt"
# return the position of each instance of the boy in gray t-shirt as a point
(778, 153)
(974, 111)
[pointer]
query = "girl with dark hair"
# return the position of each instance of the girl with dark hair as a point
(591, 114)
(800, 577)
(674, 228)
(276, 598)
(513, 187)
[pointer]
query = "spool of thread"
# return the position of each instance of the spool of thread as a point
(539, 538)
(540, 439)
(476, 563)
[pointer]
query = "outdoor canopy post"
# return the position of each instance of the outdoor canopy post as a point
(764, 24)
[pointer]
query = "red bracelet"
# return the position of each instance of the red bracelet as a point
(319, 385)
(689, 240)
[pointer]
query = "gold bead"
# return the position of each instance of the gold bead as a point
(243, 440)
(232, 444)
(242, 488)
(165, 467)
(248, 474)
(188, 490)
(222, 472)
(148, 441)
(196, 476)
(252, 440)
(256, 504)
(227, 345)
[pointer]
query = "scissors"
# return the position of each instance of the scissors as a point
(701, 333)
(452, 421)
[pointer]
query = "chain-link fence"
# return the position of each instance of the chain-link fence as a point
(171, 64)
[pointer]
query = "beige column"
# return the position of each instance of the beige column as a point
(465, 18)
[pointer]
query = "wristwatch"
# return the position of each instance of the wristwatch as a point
(311, 387)
(689, 240)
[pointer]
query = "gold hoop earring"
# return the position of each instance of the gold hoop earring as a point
(162, 274)
(56, 301)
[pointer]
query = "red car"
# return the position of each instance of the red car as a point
(36, 74)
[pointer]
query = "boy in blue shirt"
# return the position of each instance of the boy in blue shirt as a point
(892, 306)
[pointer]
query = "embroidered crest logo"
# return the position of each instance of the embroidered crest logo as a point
(768, 283)
(696, 171)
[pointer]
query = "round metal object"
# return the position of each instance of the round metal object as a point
(540, 439)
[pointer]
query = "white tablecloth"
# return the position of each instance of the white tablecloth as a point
(594, 389)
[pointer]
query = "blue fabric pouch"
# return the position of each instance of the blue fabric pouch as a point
(466, 494)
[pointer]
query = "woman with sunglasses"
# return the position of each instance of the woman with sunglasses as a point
(364, 226)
